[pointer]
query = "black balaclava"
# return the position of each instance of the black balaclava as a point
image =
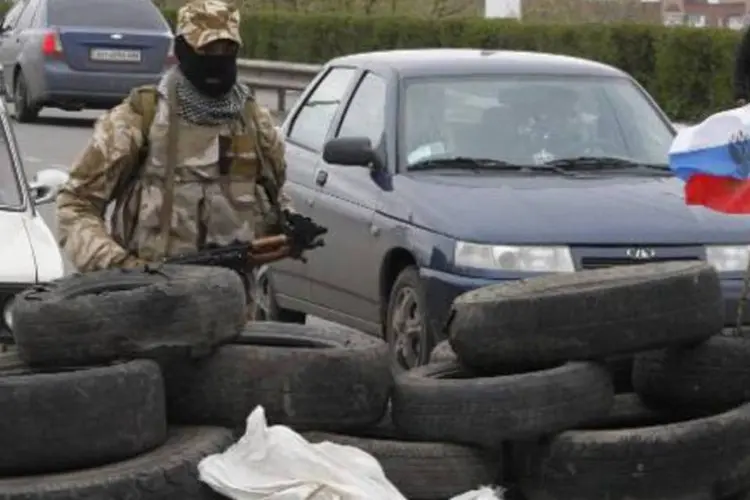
(212, 75)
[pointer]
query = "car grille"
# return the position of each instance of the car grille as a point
(602, 262)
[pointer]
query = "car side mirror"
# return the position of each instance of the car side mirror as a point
(353, 151)
(46, 184)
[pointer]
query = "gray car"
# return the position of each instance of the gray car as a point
(440, 171)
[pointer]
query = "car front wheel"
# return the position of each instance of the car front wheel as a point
(406, 323)
(263, 306)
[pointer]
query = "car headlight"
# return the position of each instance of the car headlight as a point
(728, 257)
(554, 259)
(8, 314)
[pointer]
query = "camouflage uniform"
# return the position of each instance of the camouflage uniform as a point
(206, 205)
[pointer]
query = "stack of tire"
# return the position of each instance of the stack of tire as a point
(529, 369)
(123, 380)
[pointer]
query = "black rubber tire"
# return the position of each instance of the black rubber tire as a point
(119, 313)
(85, 417)
(628, 410)
(672, 461)
(440, 402)
(735, 483)
(443, 352)
(621, 369)
(25, 110)
(309, 377)
(425, 471)
(586, 315)
(166, 473)
(409, 278)
(712, 376)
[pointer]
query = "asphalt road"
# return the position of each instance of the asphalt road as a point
(58, 137)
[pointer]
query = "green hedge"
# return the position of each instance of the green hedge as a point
(687, 70)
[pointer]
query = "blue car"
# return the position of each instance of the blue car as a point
(439, 171)
(79, 54)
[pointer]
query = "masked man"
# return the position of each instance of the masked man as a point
(184, 163)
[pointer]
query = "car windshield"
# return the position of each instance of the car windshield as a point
(530, 120)
(116, 14)
(10, 187)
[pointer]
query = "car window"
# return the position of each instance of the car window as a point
(117, 14)
(365, 115)
(11, 17)
(27, 17)
(313, 121)
(530, 119)
(10, 192)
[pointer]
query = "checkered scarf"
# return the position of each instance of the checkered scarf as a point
(202, 110)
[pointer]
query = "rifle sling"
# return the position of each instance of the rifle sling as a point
(267, 175)
(165, 216)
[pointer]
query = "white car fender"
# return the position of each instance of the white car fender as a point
(49, 260)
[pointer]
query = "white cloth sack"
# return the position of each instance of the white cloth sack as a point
(276, 463)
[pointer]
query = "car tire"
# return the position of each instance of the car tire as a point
(309, 377)
(443, 402)
(412, 348)
(712, 376)
(264, 307)
(635, 458)
(169, 472)
(425, 471)
(586, 315)
(25, 110)
(443, 352)
(153, 312)
(621, 369)
(119, 409)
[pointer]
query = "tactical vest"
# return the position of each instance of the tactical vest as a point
(205, 186)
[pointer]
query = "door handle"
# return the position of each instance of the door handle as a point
(321, 177)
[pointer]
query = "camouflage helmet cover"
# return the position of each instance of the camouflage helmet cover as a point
(201, 22)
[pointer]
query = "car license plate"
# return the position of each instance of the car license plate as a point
(115, 55)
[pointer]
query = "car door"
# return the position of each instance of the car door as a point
(345, 275)
(305, 136)
(9, 42)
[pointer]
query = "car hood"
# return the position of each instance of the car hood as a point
(17, 264)
(493, 208)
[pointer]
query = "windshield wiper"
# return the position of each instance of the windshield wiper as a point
(603, 163)
(456, 161)
(480, 164)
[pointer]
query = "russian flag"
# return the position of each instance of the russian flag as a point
(713, 158)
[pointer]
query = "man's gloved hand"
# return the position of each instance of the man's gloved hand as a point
(295, 218)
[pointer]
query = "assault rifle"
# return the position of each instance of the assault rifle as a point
(298, 232)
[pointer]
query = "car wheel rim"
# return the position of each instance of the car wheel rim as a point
(407, 326)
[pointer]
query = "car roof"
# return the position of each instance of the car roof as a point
(446, 62)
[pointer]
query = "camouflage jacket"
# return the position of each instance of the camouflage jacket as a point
(207, 206)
